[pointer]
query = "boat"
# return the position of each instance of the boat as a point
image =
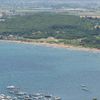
(2, 96)
(57, 98)
(8, 97)
(27, 97)
(36, 98)
(20, 97)
(83, 85)
(37, 95)
(85, 89)
(14, 98)
(48, 96)
(21, 93)
(11, 87)
(13, 91)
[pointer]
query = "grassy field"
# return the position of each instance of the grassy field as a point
(41, 22)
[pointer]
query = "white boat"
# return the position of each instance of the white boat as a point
(83, 85)
(11, 87)
(20, 97)
(57, 98)
(21, 93)
(36, 98)
(37, 94)
(85, 89)
(48, 96)
(28, 98)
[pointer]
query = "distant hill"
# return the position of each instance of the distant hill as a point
(51, 3)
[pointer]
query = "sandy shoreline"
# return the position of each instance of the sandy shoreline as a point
(78, 48)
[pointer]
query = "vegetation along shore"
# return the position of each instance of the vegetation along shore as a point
(58, 29)
(43, 42)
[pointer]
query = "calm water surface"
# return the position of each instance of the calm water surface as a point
(57, 71)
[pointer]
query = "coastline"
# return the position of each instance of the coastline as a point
(55, 45)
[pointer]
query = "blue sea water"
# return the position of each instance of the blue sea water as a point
(56, 71)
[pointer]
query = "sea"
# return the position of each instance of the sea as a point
(70, 74)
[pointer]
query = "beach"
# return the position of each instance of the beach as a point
(55, 45)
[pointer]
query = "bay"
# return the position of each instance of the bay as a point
(57, 71)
